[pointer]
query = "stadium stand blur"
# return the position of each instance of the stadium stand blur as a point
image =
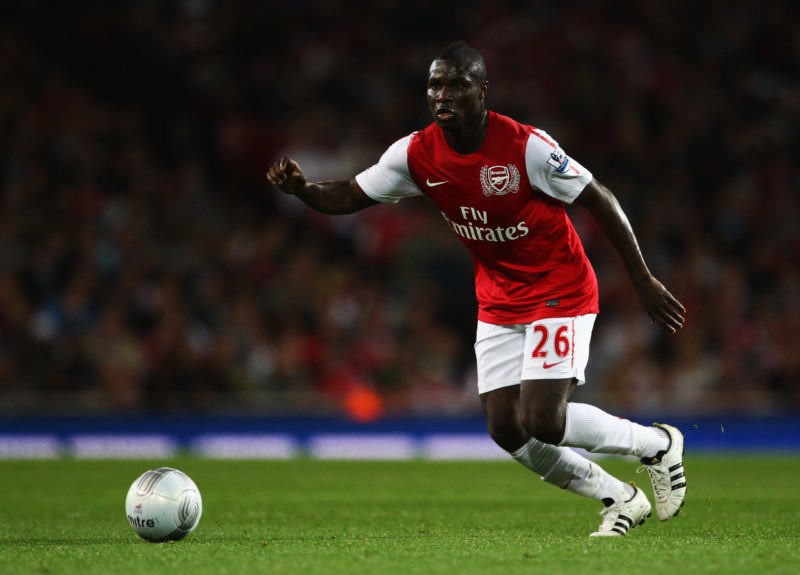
(146, 267)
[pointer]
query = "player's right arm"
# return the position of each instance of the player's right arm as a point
(329, 197)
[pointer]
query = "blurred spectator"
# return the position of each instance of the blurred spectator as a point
(146, 266)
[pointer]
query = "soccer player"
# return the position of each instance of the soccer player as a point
(501, 187)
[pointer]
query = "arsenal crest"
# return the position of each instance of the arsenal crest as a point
(499, 180)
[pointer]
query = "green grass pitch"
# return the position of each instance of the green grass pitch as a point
(64, 516)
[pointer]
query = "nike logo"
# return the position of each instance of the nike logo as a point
(431, 184)
(549, 365)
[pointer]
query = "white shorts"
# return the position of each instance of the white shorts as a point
(553, 348)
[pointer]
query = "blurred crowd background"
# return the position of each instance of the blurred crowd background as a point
(147, 267)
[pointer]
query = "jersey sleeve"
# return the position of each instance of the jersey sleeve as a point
(551, 170)
(390, 179)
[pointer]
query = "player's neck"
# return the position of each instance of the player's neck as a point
(468, 139)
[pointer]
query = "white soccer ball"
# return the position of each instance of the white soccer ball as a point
(163, 504)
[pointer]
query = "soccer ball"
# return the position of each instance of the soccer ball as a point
(163, 504)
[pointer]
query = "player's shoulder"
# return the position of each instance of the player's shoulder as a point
(512, 128)
(398, 150)
(524, 130)
(425, 142)
(427, 135)
(540, 138)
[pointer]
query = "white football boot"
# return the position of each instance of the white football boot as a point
(619, 518)
(666, 474)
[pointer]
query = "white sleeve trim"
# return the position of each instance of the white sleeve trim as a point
(390, 179)
(552, 171)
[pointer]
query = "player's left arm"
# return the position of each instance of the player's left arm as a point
(662, 307)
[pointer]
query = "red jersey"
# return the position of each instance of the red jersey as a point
(506, 203)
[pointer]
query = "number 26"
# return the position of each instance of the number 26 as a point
(561, 343)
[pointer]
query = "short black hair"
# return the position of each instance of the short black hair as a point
(467, 56)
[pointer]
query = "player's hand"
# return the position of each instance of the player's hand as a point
(662, 307)
(287, 176)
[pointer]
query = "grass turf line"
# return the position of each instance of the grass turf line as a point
(328, 517)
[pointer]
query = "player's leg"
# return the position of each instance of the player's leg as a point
(500, 352)
(597, 431)
(555, 358)
(561, 466)
(625, 505)
(659, 447)
(560, 347)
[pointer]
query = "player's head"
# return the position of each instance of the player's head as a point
(457, 86)
(467, 58)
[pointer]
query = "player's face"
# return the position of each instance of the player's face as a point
(455, 98)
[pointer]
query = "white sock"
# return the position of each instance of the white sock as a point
(658, 440)
(597, 431)
(564, 468)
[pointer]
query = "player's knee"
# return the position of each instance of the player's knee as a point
(546, 425)
(508, 435)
